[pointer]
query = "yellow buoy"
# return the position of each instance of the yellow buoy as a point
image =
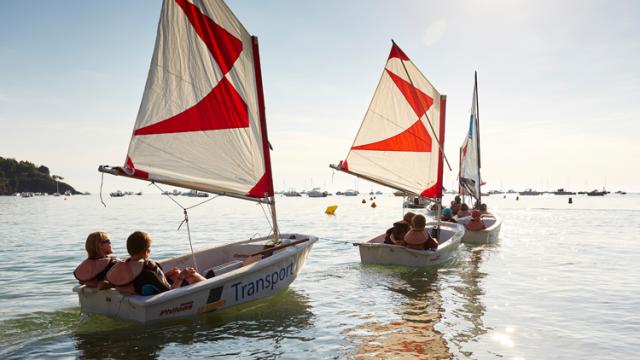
(331, 209)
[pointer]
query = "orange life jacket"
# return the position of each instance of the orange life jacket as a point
(475, 225)
(123, 273)
(88, 270)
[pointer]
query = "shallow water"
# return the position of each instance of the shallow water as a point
(562, 282)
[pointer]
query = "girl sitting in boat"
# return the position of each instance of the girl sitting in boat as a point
(93, 270)
(464, 211)
(143, 276)
(417, 238)
(447, 215)
(475, 223)
(395, 235)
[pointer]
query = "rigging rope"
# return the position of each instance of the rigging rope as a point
(186, 219)
(102, 181)
(268, 221)
(338, 241)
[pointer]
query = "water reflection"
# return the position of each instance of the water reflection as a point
(469, 313)
(419, 307)
(257, 327)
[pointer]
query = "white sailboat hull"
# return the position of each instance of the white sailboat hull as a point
(375, 251)
(240, 285)
(486, 236)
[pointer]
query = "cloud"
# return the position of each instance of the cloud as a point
(435, 32)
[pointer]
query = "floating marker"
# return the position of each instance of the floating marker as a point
(331, 209)
(373, 204)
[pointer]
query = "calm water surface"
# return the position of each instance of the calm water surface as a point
(562, 282)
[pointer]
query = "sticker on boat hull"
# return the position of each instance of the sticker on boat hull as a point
(177, 309)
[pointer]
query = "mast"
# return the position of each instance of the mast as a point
(443, 111)
(477, 121)
(265, 140)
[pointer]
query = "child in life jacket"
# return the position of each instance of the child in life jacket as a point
(417, 238)
(475, 223)
(395, 235)
(143, 276)
(447, 215)
(92, 271)
(464, 211)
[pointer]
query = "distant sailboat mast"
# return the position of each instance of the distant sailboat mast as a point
(469, 173)
(475, 92)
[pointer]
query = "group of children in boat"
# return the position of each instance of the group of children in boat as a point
(459, 212)
(410, 231)
(138, 274)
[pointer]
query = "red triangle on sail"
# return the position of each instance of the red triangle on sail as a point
(419, 101)
(414, 139)
(131, 170)
(433, 192)
(396, 52)
(224, 47)
(262, 188)
(222, 108)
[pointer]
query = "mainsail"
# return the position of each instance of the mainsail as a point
(201, 121)
(470, 152)
(401, 138)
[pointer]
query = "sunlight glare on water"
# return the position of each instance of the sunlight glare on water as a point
(561, 282)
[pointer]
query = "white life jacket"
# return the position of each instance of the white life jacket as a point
(89, 269)
(123, 273)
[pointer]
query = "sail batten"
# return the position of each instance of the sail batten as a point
(397, 143)
(199, 123)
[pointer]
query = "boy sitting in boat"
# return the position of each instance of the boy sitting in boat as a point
(143, 276)
(417, 238)
(455, 205)
(92, 271)
(484, 210)
(475, 223)
(447, 215)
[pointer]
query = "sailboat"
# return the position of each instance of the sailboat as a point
(416, 202)
(469, 177)
(400, 145)
(201, 126)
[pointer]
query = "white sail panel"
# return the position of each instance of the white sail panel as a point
(470, 155)
(397, 144)
(199, 121)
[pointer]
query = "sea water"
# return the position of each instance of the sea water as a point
(562, 282)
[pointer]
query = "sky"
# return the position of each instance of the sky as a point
(559, 84)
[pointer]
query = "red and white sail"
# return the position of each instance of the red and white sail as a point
(397, 144)
(470, 181)
(199, 124)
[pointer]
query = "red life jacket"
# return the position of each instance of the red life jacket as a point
(123, 273)
(88, 270)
